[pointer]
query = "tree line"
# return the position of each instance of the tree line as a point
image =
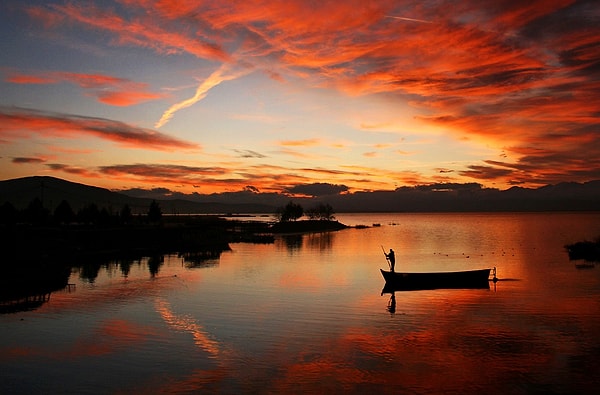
(293, 211)
(36, 214)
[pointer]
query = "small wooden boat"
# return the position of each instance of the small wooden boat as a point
(469, 279)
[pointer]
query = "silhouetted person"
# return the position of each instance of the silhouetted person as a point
(392, 258)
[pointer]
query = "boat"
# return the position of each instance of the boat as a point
(469, 279)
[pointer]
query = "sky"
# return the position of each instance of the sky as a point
(223, 96)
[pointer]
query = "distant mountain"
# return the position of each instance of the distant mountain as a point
(51, 191)
(470, 197)
(474, 198)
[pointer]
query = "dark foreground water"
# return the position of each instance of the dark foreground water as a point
(306, 315)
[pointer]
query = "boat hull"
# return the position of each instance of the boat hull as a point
(469, 279)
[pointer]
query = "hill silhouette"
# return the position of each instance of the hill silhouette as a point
(51, 191)
(469, 197)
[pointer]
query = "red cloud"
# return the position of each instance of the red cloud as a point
(140, 30)
(511, 74)
(124, 99)
(19, 123)
(29, 79)
(107, 89)
(228, 177)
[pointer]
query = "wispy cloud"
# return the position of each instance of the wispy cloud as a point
(217, 77)
(107, 89)
(20, 78)
(26, 160)
(249, 154)
(162, 172)
(73, 170)
(140, 29)
(19, 123)
(403, 18)
(265, 177)
(300, 143)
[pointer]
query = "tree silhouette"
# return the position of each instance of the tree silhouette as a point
(63, 214)
(35, 212)
(154, 212)
(125, 214)
(8, 214)
(89, 214)
(322, 212)
(104, 217)
(290, 212)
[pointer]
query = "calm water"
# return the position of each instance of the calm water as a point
(306, 315)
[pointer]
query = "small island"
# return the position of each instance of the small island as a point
(586, 250)
(321, 219)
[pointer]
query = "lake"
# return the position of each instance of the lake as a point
(306, 314)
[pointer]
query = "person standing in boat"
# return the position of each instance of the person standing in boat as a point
(391, 257)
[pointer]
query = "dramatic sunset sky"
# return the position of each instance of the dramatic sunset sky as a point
(214, 96)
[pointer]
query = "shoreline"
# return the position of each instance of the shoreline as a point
(44, 244)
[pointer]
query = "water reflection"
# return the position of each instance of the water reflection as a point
(391, 288)
(305, 315)
(392, 304)
(91, 269)
(154, 264)
(201, 259)
(23, 290)
(293, 242)
(187, 324)
(322, 241)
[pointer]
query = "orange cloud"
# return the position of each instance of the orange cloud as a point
(509, 75)
(124, 99)
(141, 30)
(229, 176)
(301, 143)
(107, 89)
(21, 123)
